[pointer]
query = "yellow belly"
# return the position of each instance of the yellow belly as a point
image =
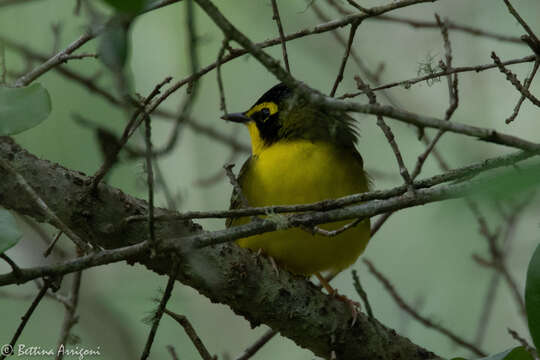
(302, 172)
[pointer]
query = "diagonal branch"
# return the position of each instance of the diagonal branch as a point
(222, 278)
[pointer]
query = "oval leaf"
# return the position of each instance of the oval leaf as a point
(517, 353)
(22, 108)
(9, 233)
(532, 297)
(113, 47)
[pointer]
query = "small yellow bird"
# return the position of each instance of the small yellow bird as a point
(301, 154)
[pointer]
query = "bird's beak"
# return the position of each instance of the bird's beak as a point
(236, 117)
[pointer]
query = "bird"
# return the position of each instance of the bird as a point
(300, 153)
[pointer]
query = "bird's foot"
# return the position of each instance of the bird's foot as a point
(353, 305)
(261, 252)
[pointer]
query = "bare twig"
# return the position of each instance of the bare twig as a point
(192, 334)
(419, 24)
(331, 233)
(223, 104)
(160, 310)
(257, 345)
(454, 101)
(50, 248)
(498, 260)
(371, 76)
(3, 67)
(466, 172)
(236, 185)
(173, 353)
(69, 319)
(362, 293)
(169, 197)
(523, 23)
(130, 128)
(408, 83)
(58, 58)
(510, 76)
(14, 267)
(80, 263)
(277, 18)
(26, 317)
(423, 320)
(339, 77)
(388, 134)
(50, 215)
(523, 342)
(526, 85)
(149, 178)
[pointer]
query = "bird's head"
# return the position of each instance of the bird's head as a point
(278, 116)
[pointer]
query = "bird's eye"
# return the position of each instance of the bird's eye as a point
(265, 113)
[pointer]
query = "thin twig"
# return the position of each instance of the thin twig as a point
(523, 342)
(362, 293)
(388, 134)
(47, 212)
(173, 353)
(454, 101)
(69, 318)
(466, 172)
(523, 23)
(57, 59)
(3, 67)
(339, 77)
(526, 85)
(130, 128)
(223, 104)
(14, 267)
(408, 83)
(236, 185)
(160, 310)
(26, 317)
(73, 265)
(50, 248)
(419, 24)
(192, 334)
(257, 345)
(498, 258)
(277, 18)
(423, 320)
(160, 178)
(43, 235)
(510, 76)
(149, 178)
(371, 76)
(332, 233)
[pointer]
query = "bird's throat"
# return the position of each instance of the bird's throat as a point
(257, 143)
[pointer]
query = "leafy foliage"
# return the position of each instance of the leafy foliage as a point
(9, 233)
(23, 108)
(532, 297)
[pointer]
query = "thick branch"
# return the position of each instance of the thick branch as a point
(224, 273)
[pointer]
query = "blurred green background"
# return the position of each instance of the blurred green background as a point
(425, 251)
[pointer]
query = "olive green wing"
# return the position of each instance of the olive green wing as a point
(236, 203)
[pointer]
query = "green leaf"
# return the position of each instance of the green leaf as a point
(532, 297)
(22, 108)
(517, 353)
(113, 47)
(9, 233)
(130, 6)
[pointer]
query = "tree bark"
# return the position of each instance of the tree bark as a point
(224, 273)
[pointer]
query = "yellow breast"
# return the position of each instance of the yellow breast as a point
(298, 172)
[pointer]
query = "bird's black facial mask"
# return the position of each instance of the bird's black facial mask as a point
(264, 114)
